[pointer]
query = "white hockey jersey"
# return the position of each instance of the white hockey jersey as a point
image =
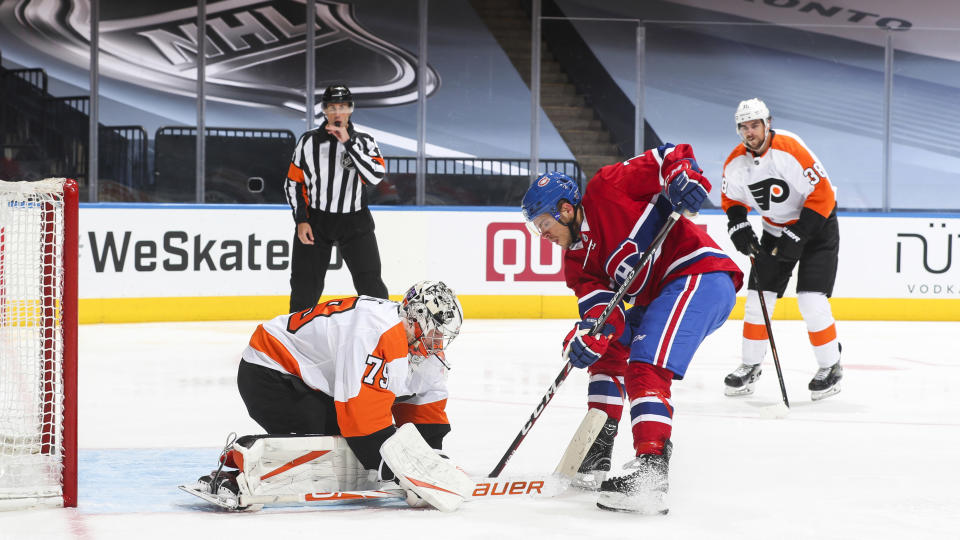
(778, 183)
(354, 349)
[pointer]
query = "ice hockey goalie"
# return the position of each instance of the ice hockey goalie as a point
(349, 371)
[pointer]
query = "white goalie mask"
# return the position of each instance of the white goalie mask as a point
(434, 312)
(752, 109)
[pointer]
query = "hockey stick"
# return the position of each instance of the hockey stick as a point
(591, 426)
(766, 321)
(597, 326)
(255, 502)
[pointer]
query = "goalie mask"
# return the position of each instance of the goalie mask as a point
(434, 313)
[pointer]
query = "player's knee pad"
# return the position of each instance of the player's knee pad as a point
(420, 469)
(753, 310)
(271, 464)
(643, 378)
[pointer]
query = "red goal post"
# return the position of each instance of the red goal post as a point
(38, 343)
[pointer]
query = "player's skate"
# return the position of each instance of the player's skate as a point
(596, 464)
(826, 382)
(742, 380)
(644, 490)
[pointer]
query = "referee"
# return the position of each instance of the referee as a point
(325, 190)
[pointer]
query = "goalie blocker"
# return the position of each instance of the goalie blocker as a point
(271, 469)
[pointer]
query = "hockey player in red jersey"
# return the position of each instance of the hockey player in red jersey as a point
(686, 292)
(775, 173)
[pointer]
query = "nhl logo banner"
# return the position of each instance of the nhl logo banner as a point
(255, 49)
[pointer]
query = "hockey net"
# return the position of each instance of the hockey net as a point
(38, 321)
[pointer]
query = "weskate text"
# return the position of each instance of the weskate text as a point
(181, 252)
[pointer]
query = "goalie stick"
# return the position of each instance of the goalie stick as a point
(581, 442)
(567, 367)
(256, 502)
(484, 489)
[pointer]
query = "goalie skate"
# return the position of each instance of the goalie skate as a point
(742, 381)
(220, 489)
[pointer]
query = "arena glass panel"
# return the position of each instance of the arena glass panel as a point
(44, 105)
(825, 89)
(255, 98)
(380, 65)
(925, 120)
(478, 119)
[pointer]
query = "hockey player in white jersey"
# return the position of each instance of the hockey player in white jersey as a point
(330, 385)
(776, 174)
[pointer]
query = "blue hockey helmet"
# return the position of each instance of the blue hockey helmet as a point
(545, 194)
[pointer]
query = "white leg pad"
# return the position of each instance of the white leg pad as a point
(422, 470)
(290, 465)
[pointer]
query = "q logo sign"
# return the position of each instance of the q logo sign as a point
(513, 254)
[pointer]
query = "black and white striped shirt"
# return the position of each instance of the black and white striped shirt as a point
(326, 174)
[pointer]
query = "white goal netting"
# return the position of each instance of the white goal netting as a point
(31, 341)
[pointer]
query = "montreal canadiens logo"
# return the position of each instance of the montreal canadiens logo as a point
(544, 180)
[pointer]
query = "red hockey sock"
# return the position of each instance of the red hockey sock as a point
(606, 390)
(651, 410)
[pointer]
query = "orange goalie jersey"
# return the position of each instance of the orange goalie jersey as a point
(779, 183)
(355, 350)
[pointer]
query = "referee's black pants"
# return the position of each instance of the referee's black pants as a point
(354, 234)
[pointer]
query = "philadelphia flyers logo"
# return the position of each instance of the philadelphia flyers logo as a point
(771, 190)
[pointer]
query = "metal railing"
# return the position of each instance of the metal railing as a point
(482, 166)
(123, 155)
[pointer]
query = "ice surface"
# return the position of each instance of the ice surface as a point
(878, 461)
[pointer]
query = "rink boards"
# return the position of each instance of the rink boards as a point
(143, 263)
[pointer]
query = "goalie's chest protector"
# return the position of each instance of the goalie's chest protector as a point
(337, 347)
